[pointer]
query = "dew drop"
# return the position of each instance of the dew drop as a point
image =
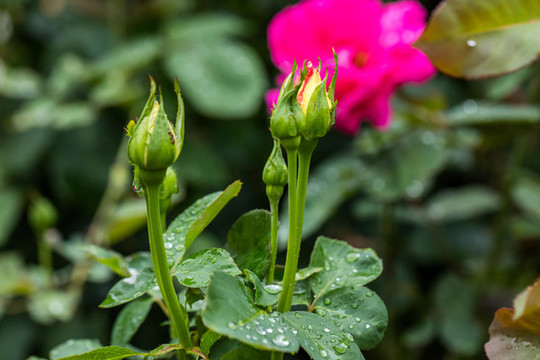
(352, 257)
(471, 43)
(323, 353)
(281, 340)
(231, 325)
(370, 294)
(320, 312)
(326, 330)
(168, 245)
(327, 301)
(297, 315)
(340, 348)
(349, 336)
(355, 306)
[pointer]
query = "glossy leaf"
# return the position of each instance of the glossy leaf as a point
(107, 257)
(472, 113)
(249, 237)
(458, 327)
(141, 280)
(321, 339)
(196, 270)
(343, 175)
(129, 320)
(222, 78)
(475, 39)
(513, 339)
(73, 347)
(462, 203)
(118, 353)
(244, 352)
(343, 265)
(190, 223)
(356, 310)
(208, 339)
(230, 311)
(265, 295)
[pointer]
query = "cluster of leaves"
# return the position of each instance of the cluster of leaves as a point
(343, 316)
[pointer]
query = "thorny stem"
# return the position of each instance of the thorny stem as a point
(177, 313)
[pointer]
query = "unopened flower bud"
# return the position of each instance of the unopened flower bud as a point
(42, 214)
(288, 119)
(275, 172)
(154, 142)
(316, 102)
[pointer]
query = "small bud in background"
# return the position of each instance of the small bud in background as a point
(154, 143)
(275, 173)
(42, 214)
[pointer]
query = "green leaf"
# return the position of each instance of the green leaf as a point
(196, 270)
(249, 237)
(472, 113)
(244, 352)
(526, 194)
(341, 174)
(49, 306)
(129, 320)
(208, 339)
(306, 272)
(207, 25)
(343, 266)
(118, 353)
(462, 203)
(405, 167)
(220, 77)
(356, 310)
(73, 347)
(475, 39)
(265, 295)
(107, 257)
(20, 83)
(459, 329)
(321, 339)
(141, 280)
(10, 211)
(230, 311)
(189, 224)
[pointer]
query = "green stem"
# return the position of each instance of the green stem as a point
(44, 253)
(177, 313)
(274, 205)
(276, 355)
(291, 262)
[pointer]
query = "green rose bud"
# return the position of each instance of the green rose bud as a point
(42, 214)
(154, 143)
(318, 104)
(275, 173)
(288, 119)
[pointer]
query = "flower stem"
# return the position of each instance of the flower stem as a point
(274, 205)
(291, 261)
(177, 313)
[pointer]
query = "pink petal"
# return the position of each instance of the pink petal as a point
(403, 22)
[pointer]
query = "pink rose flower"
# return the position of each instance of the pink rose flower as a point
(373, 42)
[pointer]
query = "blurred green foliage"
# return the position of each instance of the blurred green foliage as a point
(449, 197)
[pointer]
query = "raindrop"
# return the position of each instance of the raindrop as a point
(471, 43)
(269, 330)
(370, 293)
(281, 340)
(326, 330)
(354, 306)
(231, 325)
(470, 106)
(357, 319)
(349, 336)
(341, 348)
(509, 347)
(327, 301)
(352, 257)
(368, 326)
(323, 353)
(273, 288)
(168, 245)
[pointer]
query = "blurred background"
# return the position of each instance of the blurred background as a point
(449, 196)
